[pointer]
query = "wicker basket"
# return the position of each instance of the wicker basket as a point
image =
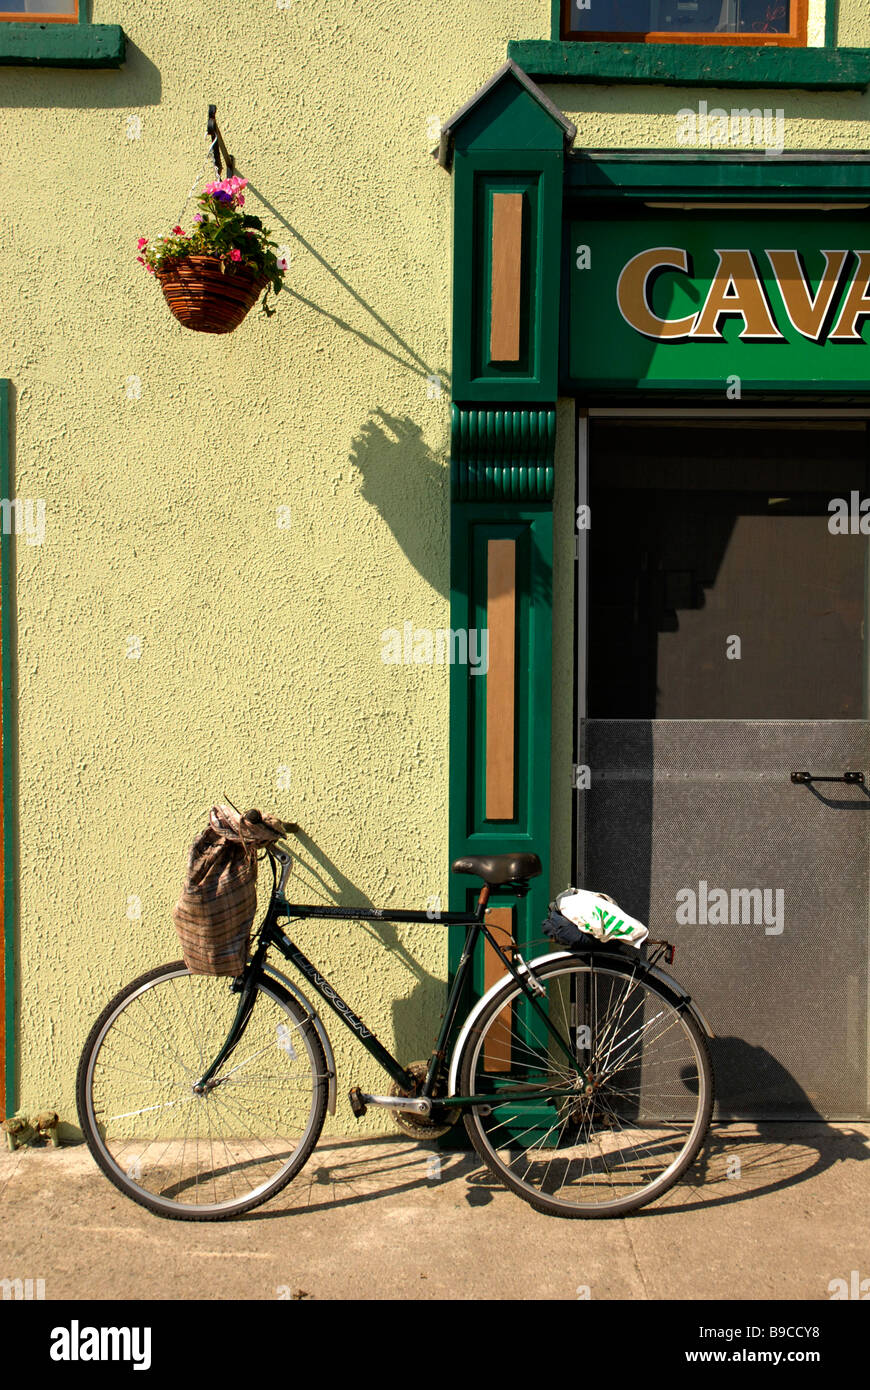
(207, 299)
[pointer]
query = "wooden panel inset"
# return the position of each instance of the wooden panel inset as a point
(501, 617)
(497, 1053)
(507, 264)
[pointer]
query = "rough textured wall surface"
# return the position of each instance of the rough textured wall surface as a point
(163, 456)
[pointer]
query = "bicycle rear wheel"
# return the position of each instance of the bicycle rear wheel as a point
(200, 1157)
(614, 1150)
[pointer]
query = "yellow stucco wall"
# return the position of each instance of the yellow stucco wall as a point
(163, 455)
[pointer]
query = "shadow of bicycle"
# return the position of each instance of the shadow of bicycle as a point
(745, 1157)
(350, 1172)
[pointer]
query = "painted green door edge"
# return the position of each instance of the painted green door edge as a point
(694, 65)
(9, 874)
(80, 45)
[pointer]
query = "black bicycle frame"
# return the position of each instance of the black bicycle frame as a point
(272, 935)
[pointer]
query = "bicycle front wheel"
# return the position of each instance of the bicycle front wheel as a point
(607, 1146)
(190, 1156)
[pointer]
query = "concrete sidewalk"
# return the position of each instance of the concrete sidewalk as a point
(776, 1211)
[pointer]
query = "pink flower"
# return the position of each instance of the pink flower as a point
(229, 187)
(240, 202)
(197, 217)
(235, 255)
(141, 260)
(142, 243)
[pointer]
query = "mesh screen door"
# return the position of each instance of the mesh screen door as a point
(724, 583)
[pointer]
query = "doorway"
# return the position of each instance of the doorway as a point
(722, 646)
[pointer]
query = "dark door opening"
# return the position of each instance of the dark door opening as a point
(724, 649)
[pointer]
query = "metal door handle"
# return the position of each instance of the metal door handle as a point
(811, 777)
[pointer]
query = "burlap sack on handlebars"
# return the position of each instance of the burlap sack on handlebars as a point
(218, 903)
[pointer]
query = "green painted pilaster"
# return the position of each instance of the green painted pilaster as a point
(502, 455)
(511, 141)
(509, 138)
(474, 524)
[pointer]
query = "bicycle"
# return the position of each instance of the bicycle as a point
(583, 1077)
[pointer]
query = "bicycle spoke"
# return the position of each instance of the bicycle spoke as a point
(615, 1139)
(214, 1150)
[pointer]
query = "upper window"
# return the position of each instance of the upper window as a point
(687, 21)
(43, 11)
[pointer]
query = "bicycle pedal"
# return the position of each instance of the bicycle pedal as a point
(357, 1104)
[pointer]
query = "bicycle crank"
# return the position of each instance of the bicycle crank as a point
(409, 1110)
(361, 1100)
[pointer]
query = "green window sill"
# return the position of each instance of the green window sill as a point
(62, 45)
(694, 65)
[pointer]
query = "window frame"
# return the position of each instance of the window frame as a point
(20, 17)
(795, 38)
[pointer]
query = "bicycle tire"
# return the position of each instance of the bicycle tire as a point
(142, 1039)
(504, 1049)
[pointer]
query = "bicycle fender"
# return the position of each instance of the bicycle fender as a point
(679, 996)
(321, 1032)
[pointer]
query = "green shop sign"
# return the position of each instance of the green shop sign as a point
(721, 302)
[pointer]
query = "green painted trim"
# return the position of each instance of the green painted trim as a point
(540, 174)
(509, 112)
(505, 140)
(502, 455)
(79, 45)
(473, 524)
(711, 175)
(831, 17)
(9, 864)
(716, 388)
(694, 65)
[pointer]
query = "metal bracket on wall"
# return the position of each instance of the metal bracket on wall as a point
(811, 777)
(218, 147)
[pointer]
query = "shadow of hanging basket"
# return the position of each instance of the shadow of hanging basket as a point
(207, 299)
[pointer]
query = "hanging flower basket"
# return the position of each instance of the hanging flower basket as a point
(205, 296)
(212, 275)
